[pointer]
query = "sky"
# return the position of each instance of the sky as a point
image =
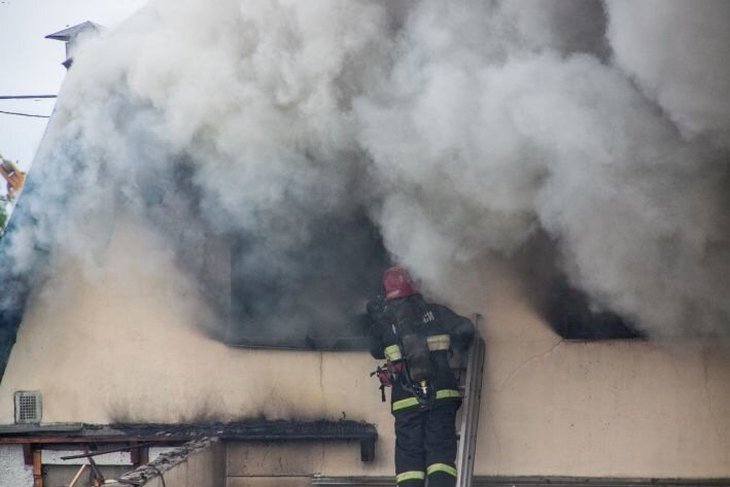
(31, 64)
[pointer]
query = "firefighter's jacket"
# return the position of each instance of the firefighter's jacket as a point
(444, 330)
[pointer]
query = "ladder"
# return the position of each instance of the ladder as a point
(472, 391)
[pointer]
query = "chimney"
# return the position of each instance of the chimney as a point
(70, 36)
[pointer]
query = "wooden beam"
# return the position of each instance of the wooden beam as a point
(37, 469)
(140, 455)
(28, 453)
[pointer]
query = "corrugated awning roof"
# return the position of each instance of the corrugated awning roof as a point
(247, 430)
(254, 429)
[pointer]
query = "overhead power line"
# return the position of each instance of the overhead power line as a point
(24, 114)
(25, 97)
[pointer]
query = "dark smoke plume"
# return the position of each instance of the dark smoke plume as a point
(318, 140)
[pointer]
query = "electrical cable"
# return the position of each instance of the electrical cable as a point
(25, 97)
(33, 115)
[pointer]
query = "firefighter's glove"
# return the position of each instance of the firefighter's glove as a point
(384, 377)
(387, 374)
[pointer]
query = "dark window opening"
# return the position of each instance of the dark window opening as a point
(567, 310)
(309, 297)
(570, 315)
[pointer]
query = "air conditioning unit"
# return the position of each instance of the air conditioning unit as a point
(28, 407)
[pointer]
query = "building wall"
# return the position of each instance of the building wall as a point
(13, 470)
(121, 341)
(286, 465)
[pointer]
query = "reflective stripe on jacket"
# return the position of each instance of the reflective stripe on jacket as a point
(412, 401)
(442, 329)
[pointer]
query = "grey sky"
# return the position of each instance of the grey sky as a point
(31, 64)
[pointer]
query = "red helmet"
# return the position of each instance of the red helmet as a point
(397, 283)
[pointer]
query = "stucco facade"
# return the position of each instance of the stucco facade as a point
(13, 470)
(122, 343)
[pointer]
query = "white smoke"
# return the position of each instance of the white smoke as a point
(491, 142)
(461, 128)
(678, 52)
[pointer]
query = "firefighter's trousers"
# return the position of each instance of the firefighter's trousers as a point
(425, 445)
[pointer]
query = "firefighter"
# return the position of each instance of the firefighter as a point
(416, 337)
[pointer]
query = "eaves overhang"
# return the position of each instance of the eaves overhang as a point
(253, 430)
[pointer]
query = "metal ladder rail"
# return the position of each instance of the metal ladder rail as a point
(470, 413)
